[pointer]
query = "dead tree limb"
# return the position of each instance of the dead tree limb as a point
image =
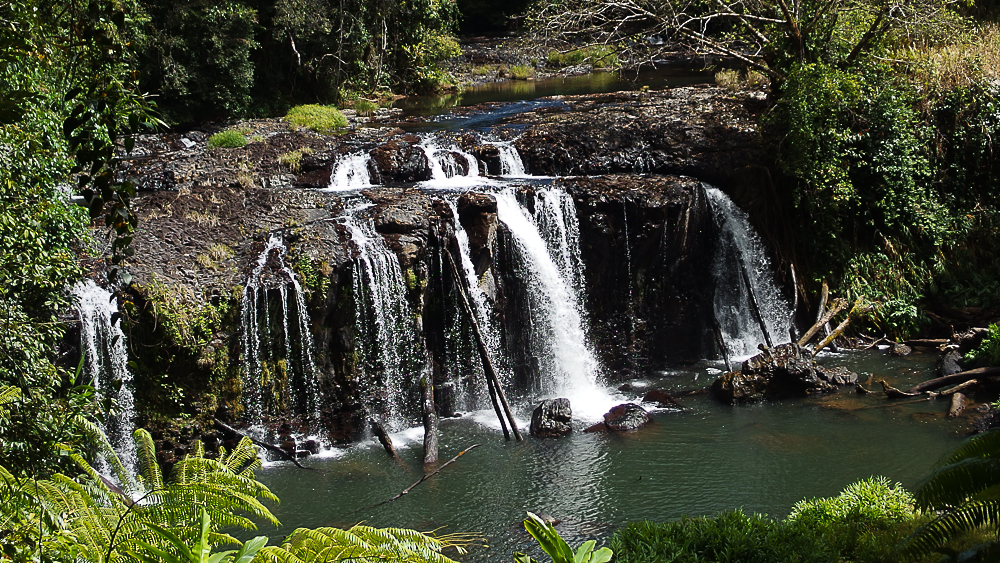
(795, 305)
(960, 377)
(430, 421)
(859, 309)
(484, 353)
(422, 479)
(226, 429)
(384, 439)
(955, 389)
(754, 308)
(722, 343)
(894, 393)
(821, 320)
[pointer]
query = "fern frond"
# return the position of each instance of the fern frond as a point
(953, 484)
(9, 394)
(984, 445)
(150, 475)
(951, 524)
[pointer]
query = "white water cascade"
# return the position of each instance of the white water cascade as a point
(271, 275)
(351, 173)
(387, 337)
(446, 170)
(511, 164)
(566, 363)
(106, 365)
(738, 241)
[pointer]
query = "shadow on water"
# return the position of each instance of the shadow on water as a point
(706, 459)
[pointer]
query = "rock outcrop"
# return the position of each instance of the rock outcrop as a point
(786, 370)
(552, 418)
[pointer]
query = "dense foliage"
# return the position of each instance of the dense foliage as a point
(257, 57)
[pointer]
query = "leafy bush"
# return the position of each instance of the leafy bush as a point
(600, 56)
(229, 139)
(988, 351)
(862, 524)
(557, 549)
(321, 119)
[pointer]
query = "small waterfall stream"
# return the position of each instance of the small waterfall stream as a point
(511, 164)
(738, 241)
(351, 173)
(280, 340)
(387, 337)
(106, 365)
(567, 365)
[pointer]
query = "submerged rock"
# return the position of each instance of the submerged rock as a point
(950, 363)
(662, 398)
(552, 418)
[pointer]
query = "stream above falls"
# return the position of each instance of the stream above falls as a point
(706, 459)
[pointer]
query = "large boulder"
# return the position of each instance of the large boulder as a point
(552, 418)
(785, 370)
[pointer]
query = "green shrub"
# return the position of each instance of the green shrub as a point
(872, 499)
(230, 139)
(316, 117)
(988, 351)
(601, 56)
(522, 72)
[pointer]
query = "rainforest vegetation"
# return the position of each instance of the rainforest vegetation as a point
(883, 117)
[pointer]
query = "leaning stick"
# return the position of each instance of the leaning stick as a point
(422, 479)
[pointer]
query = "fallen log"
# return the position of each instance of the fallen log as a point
(838, 306)
(954, 389)
(894, 393)
(225, 428)
(960, 377)
(927, 342)
(383, 438)
(754, 308)
(422, 479)
(958, 403)
(721, 343)
(859, 309)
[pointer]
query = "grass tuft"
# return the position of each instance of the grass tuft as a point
(321, 119)
(230, 139)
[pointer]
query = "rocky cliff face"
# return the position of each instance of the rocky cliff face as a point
(207, 214)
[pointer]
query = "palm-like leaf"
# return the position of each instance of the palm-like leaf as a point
(361, 544)
(964, 489)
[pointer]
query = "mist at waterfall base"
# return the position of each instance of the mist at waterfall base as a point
(706, 459)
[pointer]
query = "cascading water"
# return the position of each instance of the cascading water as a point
(292, 354)
(511, 164)
(738, 241)
(567, 365)
(351, 173)
(446, 170)
(387, 337)
(106, 365)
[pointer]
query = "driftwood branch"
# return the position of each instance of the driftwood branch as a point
(894, 393)
(960, 377)
(754, 308)
(269, 447)
(422, 479)
(859, 309)
(955, 389)
(821, 320)
(384, 439)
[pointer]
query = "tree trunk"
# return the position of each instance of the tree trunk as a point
(430, 421)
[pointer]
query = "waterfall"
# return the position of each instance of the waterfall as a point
(387, 337)
(106, 365)
(446, 169)
(548, 253)
(292, 354)
(351, 173)
(737, 240)
(510, 161)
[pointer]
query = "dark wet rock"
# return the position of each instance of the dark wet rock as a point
(288, 445)
(899, 349)
(950, 363)
(311, 446)
(626, 417)
(626, 387)
(489, 155)
(838, 375)
(785, 370)
(399, 161)
(552, 418)
(988, 418)
(662, 398)
(971, 339)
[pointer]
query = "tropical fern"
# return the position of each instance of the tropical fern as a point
(363, 544)
(97, 521)
(964, 490)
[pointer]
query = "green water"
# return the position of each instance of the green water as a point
(709, 458)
